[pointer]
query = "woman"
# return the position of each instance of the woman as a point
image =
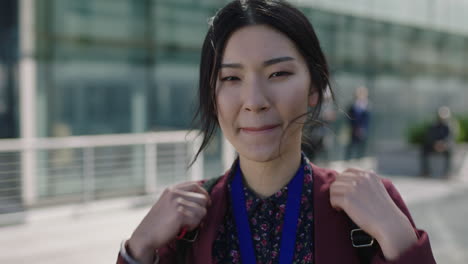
(262, 75)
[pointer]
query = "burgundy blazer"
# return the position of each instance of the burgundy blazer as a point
(332, 231)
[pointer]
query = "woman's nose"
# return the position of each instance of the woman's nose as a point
(255, 96)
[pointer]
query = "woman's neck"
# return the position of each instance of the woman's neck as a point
(266, 178)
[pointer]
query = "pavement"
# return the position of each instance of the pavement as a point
(91, 233)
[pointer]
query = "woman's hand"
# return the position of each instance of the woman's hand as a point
(181, 206)
(362, 195)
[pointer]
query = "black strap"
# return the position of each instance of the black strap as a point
(366, 253)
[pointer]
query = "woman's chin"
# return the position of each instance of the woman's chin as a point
(260, 153)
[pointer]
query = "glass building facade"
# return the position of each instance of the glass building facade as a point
(8, 62)
(124, 66)
(120, 66)
(117, 66)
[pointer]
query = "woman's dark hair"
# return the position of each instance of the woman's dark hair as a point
(237, 14)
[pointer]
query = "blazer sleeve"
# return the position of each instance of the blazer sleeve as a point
(419, 252)
(166, 255)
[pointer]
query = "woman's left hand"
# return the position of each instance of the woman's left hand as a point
(362, 195)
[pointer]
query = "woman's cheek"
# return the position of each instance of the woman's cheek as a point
(227, 101)
(294, 97)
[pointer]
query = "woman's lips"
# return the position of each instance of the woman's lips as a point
(261, 129)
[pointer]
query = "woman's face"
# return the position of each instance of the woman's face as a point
(263, 87)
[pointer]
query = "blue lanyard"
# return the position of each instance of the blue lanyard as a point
(288, 237)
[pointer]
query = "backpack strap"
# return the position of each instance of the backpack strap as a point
(365, 244)
(183, 245)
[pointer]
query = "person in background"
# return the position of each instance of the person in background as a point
(359, 118)
(438, 139)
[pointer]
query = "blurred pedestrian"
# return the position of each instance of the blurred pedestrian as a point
(359, 117)
(438, 139)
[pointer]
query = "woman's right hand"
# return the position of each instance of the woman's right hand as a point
(180, 206)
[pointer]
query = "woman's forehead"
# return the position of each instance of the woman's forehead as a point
(258, 43)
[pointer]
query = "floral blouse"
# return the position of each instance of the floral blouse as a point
(266, 220)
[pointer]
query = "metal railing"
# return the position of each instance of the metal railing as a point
(44, 171)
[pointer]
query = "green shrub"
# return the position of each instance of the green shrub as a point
(416, 132)
(463, 129)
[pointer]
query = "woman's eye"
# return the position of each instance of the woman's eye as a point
(279, 74)
(229, 78)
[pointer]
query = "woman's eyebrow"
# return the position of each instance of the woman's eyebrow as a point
(231, 65)
(277, 60)
(265, 63)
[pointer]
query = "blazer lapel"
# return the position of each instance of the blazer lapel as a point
(331, 228)
(202, 247)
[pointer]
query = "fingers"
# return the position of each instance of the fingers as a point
(180, 206)
(193, 197)
(195, 209)
(347, 186)
(193, 187)
(189, 201)
(355, 172)
(350, 181)
(339, 193)
(337, 202)
(195, 191)
(338, 188)
(355, 175)
(191, 213)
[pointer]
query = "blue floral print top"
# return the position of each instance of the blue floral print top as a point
(266, 220)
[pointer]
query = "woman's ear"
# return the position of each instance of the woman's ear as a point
(313, 98)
